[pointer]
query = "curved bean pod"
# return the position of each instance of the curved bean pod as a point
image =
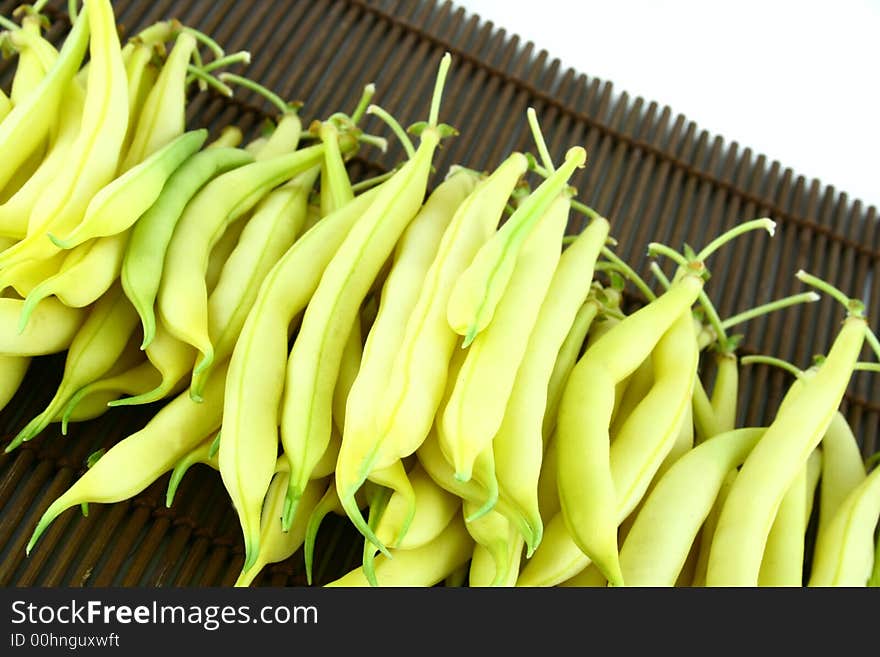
(96, 152)
(145, 255)
(26, 125)
(482, 390)
(314, 358)
(495, 538)
(253, 395)
(51, 329)
(424, 566)
(116, 207)
(276, 545)
(137, 461)
(844, 552)
(183, 296)
(783, 560)
(83, 278)
(15, 211)
(93, 350)
(519, 444)
(436, 508)
(412, 258)
(268, 234)
(480, 288)
(417, 380)
(842, 468)
(162, 117)
(649, 432)
(658, 543)
(797, 429)
(586, 486)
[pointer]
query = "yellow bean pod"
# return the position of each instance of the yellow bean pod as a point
(844, 552)
(137, 461)
(658, 544)
(783, 560)
(275, 544)
(417, 381)
(95, 154)
(518, 445)
(747, 516)
(412, 258)
(424, 566)
(586, 485)
(480, 288)
(476, 407)
(51, 328)
(842, 468)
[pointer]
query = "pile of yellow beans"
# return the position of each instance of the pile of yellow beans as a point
(445, 367)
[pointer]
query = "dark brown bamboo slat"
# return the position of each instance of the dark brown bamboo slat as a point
(655, 174)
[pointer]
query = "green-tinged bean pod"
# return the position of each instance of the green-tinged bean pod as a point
(783, 560)
(183, 297)
(140, 459)
(93, 351)
(205, 453)
(435, 509)
(480, 288)
(51, 328)
(518, 445)
(661, 537)
(496, 538)
(253, 395)
(171, 358)
(412, 258)
(747, 516)
(277, 545)
(844, 552)
(424, 566)
(418, 377)
(314, 358)
(842, 468)
(145, 255)
(116, 207)
(131, 374)
(586, 485)
(482, 389)
(28, 123)
(268, 234)
(95, 154)
(163, 115)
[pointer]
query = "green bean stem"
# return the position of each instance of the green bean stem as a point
(757, 311)
(396, 128)
(756, 224)
(247, 83)
(539, 140)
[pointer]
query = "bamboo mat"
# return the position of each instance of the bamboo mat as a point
(653, 172)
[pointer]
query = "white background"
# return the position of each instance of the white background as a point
(797, 81)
